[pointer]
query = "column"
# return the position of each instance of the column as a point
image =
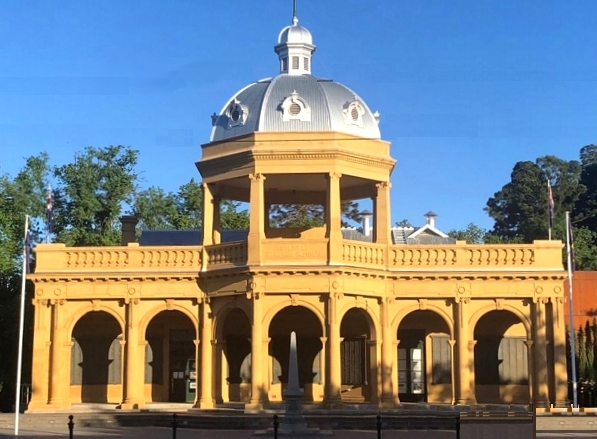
(257, 384)
(471, 379)
(531, 369)
(333, 219)
(387, 394)
(334, 377)
(542, 395)
(59, 369)
(559, 353)
(207, 218)
(217, 226)
(452, 343)
(256, 218)
(133, 380)
(206, 401)
(40, 369)
(465, 395)
(381, 213)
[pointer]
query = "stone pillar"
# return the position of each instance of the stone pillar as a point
(540, 336)
(59, 369)
(387, 393)
(333, 219)
(133, 391)
(559, 353)
(471, 379)
(258, 390)
(217, 233)
(40, 369)
(382, 214)
(452, 343)
(334, 376)
(465, 393)
(256, 218)
(396, 371)
(531, 369)
(207, 217)
(206, 401)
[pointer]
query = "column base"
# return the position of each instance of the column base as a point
(41, 406)
(130, 405)
(205, 404)
(465, 401)
(562, 403)
(254, 407)
(387, 404)
(332, 404)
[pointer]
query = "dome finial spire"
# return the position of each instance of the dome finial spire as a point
(294, 17)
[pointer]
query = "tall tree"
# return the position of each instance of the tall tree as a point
(586, 208)
(472, 234)
(92, 193)
(310, 215)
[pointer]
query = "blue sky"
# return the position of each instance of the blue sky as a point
(465, 88)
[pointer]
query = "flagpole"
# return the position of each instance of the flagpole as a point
(21, 325)
(550, 208)
(571, 315)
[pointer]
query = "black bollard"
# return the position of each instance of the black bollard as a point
(71, 426)
(276, 425)
(378, 423)
(174, 425)
(458, 427)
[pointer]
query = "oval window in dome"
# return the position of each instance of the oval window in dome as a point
(294, 109)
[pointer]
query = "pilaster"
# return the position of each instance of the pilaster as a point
(207, 224)
(542, 394)
(452, 343)
(334, 375)
(206, 400)
(560, 355)
(381, 213)
(333, 219)
(256, 218)
(59, 369)
(40, 369)
(465, 393)
(258, 389)
(387, 379)
(531, 367)
(133, 392)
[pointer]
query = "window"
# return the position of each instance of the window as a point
(353, 113)
(237, 114)
(295, 107)
(284, 64)
(306, 64)
(440, 359)
(295, 63)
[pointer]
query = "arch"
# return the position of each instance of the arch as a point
(395, 324)
(153, 312)
(95, 358)
(79, 313)
(275, 309)
(219, 318)
(373, 320)
(505, 307)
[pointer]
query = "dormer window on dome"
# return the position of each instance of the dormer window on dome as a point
(295, 108)
(353, 113)
(237, 114)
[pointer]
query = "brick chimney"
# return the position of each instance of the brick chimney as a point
(128, 229)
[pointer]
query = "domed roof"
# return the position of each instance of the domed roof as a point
(295, 100)
(295, 103)
(295, 34)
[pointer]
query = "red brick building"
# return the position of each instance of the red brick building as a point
(584, 295)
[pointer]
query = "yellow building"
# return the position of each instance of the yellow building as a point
(383, 316)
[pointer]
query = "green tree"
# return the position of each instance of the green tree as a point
(91, 194)
(309, 215)
(472, 234)
(403, 223)
(586, 208)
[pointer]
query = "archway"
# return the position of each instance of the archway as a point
(424, 358)
(236, 333)
(309, 351)
(96, 358)
(358, 356)
(501, 359)
(170, 358)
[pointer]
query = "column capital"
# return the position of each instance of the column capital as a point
(334, 175)
(529, 343)
(383, 185)
(257, 177)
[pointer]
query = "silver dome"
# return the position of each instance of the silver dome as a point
(295, 103)
(295, 34)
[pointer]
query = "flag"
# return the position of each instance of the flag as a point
(571, 247)
(551, 204)
(49, 210)
(27, 251)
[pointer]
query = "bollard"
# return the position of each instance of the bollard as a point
(71, 426)
(458, 427)
(174, 425)
(276, 425)
(378, 426)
